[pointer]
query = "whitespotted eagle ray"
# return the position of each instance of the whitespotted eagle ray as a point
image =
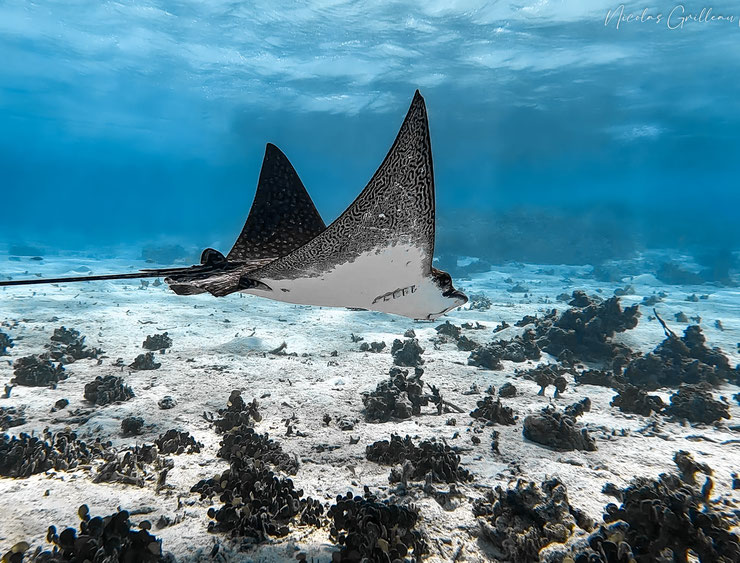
(376, 256)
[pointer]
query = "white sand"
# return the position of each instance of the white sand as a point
(228, 340)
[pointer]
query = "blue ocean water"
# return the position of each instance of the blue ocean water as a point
(126, 122)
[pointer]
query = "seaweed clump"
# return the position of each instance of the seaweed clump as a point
(520, 521)
(689, 467)
(678, 360)
(11, 416)
(665, 521)
(167, 402)
(5, 343)
(559, 430)
(109, 538)
(134, 466)
(37, 371)
(243, 444)
(695, 404)
(370, 530)
(107, 389)
(237, 413)
(494, 411)
(257, 503)
(605, 545)
(400, 396)
(155, 342)
(175, 442)
(25, 455)
(631, 399)
(145, 362)
(67, 346)
(429, 457)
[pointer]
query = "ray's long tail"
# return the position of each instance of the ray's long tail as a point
(154, 273)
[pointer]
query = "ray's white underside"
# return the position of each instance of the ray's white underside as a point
(405, 288)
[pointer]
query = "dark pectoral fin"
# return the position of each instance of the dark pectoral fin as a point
(283, 216)
(211, 257)
(396, 207)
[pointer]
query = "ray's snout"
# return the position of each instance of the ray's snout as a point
(444, 281)
(458, 296)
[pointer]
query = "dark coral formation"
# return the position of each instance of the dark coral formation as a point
(631, 399)
(407, 353)
(60, 404)
(494, 411)
(449, 329)
(584, 331)
(577, 409)
(156, 342)
(507, 390)
(485, 357)
(480, 302)
(11, 417)
(519, 349)
(68, 346)
(429, 457)
(166, 254)
(375, 347)
(145, 362)
(520, 521)
(466, 344)
(107, 389)
(681, 360)
(25, 455)
(545, 375)
(602, 378)
(674, 273)
(5, 343)
(369, 530)
(695, 404)
(400, 396)
(103, 539)
(559, 430)
(37, 371)
(175, 442)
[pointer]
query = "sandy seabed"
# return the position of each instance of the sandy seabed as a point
(223, 344)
